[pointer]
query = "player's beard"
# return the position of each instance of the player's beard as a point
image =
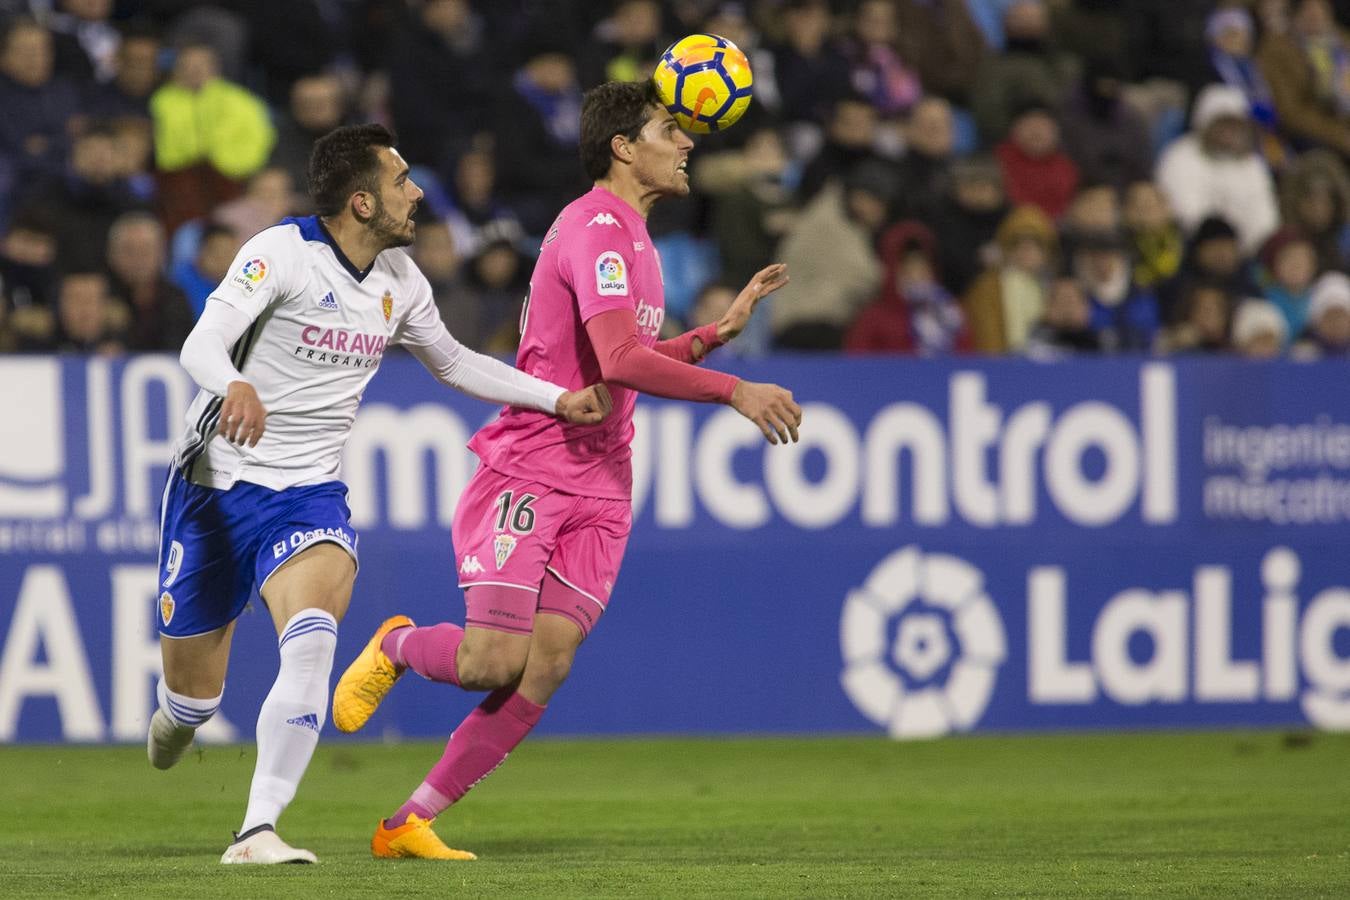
(390, 231)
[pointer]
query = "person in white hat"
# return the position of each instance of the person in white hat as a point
(1328, 332)
(1259, 330)
(1214, 169)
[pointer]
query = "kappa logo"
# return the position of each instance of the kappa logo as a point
(503, 545)
(166, 607)
(639, 246)
(471, 566)
(328, 301)
(308, 720)
(603, 218)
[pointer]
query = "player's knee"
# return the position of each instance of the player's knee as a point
(551, 669)
(487, 671)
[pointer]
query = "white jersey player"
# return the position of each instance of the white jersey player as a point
(283, 353)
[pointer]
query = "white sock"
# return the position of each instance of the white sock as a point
(186, 712)
(292, 715)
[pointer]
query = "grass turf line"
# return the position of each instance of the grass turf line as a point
(1138, 815)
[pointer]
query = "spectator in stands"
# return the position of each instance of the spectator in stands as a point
(1065, 328)
(1288, 270)
(199, 276)
(1155, 237)
(1036, 170)
(1095, 208)
(28, 279)
(625, 45)
(210, 136)
(88, 320)
(752, 217)
(84, 40)
(1212, 255)
(1007, 300)
(317, 106)
(134, 79)
(1124, 315)
(1107, 138)
(1215, 169)
(473, 200)
(1092, 29)
(440, 261)
(832, 279)
(1259, 330)
(925, 170)
(1204, 315)
(269, 198)
(40, 109)
(967, 220)
(809, 71)
(913, 313)
(1307, 68)
(494, 285)
(1229, 34)
(876, 69)
(1315, 198)
(943, 43)
(1030, 69)
(850, 141)
(279, 60)
(88, 199)
(440, 81)
(160, 317)
(1328, 332)
(538, 126)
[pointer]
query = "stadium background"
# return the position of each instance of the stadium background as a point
(1127, 525)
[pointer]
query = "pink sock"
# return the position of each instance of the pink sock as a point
(479, 745)
(430, 651)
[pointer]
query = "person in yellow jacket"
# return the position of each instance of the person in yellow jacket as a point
(210, 136)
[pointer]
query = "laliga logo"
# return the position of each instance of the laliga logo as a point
(922, 643)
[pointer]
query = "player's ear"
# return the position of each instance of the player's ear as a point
(363, 205)
(621, 147)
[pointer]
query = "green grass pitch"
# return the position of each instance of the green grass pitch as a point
(1220, 814)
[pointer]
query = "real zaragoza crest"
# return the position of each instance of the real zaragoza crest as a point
(388, 304)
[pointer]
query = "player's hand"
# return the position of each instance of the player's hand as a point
(737, 316)
(242, 415)
(770, 407)
(585, 407)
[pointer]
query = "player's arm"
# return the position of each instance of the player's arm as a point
(624, 360)
(694, 345)
(485, 378)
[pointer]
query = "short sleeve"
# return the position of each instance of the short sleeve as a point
(421, 326)
(597, 262)
(262, 273)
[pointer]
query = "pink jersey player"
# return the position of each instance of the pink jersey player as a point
(540, 530)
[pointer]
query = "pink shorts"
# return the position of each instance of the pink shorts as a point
(511, 533)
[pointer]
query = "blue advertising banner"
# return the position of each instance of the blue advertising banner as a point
(954, 546)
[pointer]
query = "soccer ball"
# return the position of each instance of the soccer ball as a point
(705, 82)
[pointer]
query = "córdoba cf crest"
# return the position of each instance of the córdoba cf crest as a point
(503, 545)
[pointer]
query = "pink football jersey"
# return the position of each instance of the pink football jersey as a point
(596, 257)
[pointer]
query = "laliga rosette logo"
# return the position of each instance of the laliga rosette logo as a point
(922, 644)
(609, 279)
(250, 275)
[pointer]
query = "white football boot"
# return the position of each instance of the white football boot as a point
(262, 846)
(166, 742)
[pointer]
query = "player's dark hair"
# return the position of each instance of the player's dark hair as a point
(616, 107)
(345, 161)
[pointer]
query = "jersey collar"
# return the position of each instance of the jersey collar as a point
(312, 229)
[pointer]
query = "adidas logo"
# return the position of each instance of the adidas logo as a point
(308, 720)
(471, 566)
(603, 219)
(328, 301)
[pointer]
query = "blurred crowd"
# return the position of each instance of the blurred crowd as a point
(1036, 177)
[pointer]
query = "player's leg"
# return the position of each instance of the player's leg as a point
(504, 532)
(306, 596)
(188, 693)
(205, 578)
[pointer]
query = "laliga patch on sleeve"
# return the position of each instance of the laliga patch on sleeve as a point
(250, 275)
(610, 278)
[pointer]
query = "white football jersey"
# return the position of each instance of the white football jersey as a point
(319, 330)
